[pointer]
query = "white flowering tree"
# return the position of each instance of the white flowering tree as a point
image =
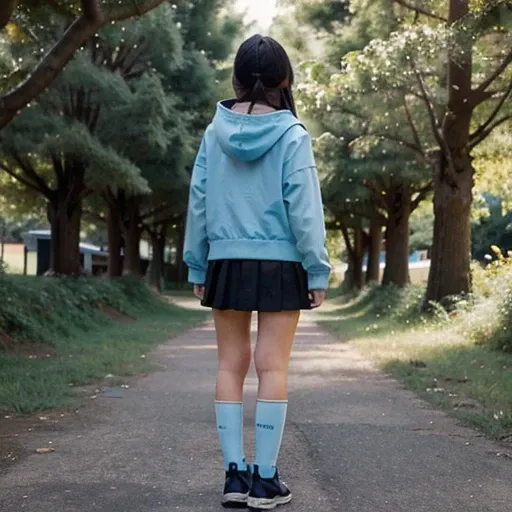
(436, 87)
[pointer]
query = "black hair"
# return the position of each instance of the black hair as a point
(262, 64)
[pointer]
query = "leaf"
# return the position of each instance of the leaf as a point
(45, 450)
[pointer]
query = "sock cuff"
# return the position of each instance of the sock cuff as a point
(272, 401)
(228, 402)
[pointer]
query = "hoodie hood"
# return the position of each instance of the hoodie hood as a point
(248, 137)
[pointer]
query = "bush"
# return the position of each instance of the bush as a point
(490, 322)
(501, 322)
(392, 301)
(43, 309)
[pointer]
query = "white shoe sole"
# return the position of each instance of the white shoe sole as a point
(268, 504)
(234, 497)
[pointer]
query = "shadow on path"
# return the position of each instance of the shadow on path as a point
(355, 442)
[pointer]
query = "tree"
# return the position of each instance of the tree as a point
(430, 64)
(385, 154)
(85, 22)
(351, 206)
(387, 180)
(477, 85)
(57, 146)
(190, 89)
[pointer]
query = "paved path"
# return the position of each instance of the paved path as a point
(355, 442)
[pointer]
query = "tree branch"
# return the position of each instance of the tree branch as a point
(376, 191)
(485, 133)
(394, 138)
(32, 175)
(415, 132)
(91, 10)
(421, 10)
(437, 129)
(129, 11)
(482, 128)
(58, 169)
(401, 141)
(155, 211)
(19, 178)
(59, 55)
(47, 69)
(434, 120)
(422, 194)
(6, 10)
(136, 6)
(495, 74)
(346, 238)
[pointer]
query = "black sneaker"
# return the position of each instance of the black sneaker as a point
(267, 493)
(236, 488)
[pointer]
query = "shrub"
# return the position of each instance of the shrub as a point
(43, 309)
(392, 301)
(490, 322)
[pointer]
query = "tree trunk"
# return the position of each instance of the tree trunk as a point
(65, 238)
(396, 270)
(450, 265)
(115, 242)
(453, 180)
(354, 275)
(374, 248)
(158, 239)
(133, 233)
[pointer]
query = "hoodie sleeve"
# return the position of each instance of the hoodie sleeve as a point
(301, 192)
(196, 241)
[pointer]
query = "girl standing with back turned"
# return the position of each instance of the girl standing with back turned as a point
(255, 241)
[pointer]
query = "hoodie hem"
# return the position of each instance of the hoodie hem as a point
(269, 250)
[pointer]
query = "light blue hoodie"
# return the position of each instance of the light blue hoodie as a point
(255, 195)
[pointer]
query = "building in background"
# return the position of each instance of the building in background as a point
(93, 259)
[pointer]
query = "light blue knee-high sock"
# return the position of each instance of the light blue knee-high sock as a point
(230, 426)
(270, 420)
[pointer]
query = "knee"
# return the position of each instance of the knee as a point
(236, 362)
(266, 362)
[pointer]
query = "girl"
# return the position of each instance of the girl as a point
(255, 241)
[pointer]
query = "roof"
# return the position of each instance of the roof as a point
(45, 234)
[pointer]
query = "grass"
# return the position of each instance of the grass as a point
(75, 342)
(435, 360)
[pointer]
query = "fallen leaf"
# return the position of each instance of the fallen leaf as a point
(45, 450)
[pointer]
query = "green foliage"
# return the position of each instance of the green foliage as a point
(422, 229)
(46, 310)
(490, 323)
(489, 231)
(439, 361)
(328, 15)
(400, 304)
(35, 377)
(501, 337)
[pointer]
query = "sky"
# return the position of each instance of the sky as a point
(261, 11)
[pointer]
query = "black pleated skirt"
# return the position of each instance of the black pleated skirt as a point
(256, 285)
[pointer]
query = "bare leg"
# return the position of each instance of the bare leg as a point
(276, 332)
(233, 330)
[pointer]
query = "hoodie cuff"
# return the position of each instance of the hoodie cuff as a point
(318, 281)
(196, 276)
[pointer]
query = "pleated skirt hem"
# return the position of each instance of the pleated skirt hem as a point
(256, 285)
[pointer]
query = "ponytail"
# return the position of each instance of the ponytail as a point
(262, 66)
